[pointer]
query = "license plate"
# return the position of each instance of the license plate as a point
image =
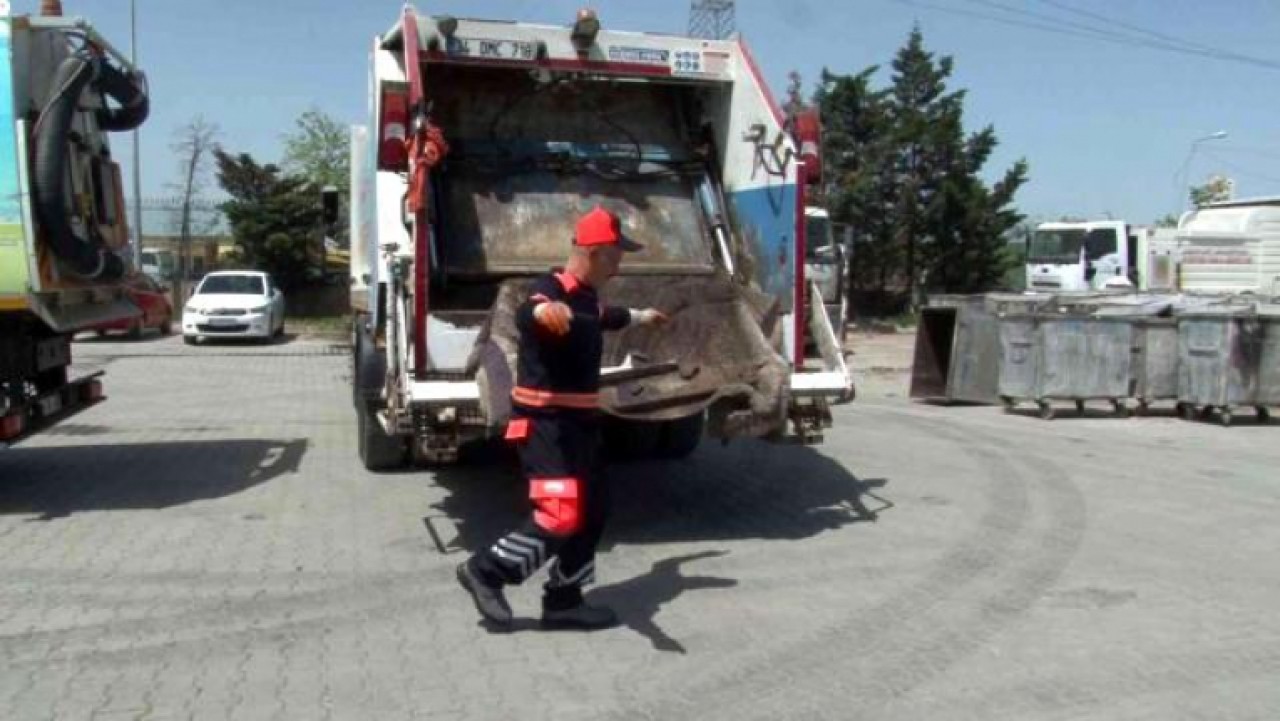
(224, 321)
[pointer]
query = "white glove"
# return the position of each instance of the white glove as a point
(648, 316)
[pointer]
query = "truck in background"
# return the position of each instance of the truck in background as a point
(62, 216)
(487, 140)
(1100, 254)
(1231, 247)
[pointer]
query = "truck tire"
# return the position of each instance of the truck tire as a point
(626, 440)
(378, 451)
(369, 365)
(680, 438)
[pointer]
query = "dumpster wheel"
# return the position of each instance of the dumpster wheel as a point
(1046, 410)
(1118, 406)
(1187, 411)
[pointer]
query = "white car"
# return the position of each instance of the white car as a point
(234, 304)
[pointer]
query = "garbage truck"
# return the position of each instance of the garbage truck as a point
(63, 235)
(486, 141)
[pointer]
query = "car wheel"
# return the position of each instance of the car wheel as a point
(135, 330)
(189, 339)
(166, 327)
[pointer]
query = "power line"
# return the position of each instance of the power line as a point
(1168, 43)
(1056, 25)
(1130, 26)
(1237, 168)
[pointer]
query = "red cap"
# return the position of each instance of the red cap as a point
(600, 227)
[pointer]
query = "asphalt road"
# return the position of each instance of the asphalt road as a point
(205, 544)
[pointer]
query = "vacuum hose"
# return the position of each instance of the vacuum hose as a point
(87, 256)
(126, 89)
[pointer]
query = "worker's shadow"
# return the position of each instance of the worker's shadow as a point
(638, 600)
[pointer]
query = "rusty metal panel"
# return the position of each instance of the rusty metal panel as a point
(1269, 358)
(1019, 357)
(1085, 357)
(1155, 359)
(717, 339)
(975, 356)
(496, 224)
(1218, 358)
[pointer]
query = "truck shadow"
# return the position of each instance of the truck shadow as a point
(55, 482)
(748, 490)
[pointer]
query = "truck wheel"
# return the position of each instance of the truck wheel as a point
(631, 440)
(679, 438)
(369, 365)
(378, 451)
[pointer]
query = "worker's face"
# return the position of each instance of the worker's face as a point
(604, 264)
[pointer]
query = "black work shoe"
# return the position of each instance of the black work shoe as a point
(489, 600)
(582, 616)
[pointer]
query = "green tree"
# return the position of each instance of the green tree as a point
(274, 218)
(1168, 221)
(906, 176)
(1215, 190)
(319, 150)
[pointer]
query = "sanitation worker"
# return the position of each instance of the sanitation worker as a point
(556, 426)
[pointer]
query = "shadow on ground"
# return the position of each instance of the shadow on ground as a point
(748, 490)
(639, 600)
(56, 482)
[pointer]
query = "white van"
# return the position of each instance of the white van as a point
(1231, 247)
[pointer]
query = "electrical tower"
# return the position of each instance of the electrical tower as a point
(711, 19)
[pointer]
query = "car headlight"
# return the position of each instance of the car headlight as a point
(259, 309)
(192, 309)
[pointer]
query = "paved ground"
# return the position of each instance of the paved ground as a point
(205, 545)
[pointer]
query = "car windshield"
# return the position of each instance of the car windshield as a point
(232, 284)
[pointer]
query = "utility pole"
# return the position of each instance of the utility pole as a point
(137, 154)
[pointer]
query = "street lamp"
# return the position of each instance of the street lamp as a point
(1180, 178)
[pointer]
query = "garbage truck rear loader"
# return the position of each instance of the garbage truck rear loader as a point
(487, 141)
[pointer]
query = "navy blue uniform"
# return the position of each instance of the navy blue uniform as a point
(555, 424)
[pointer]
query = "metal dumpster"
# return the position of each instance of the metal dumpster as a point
(1050, 356)
(1154, 364)
(1220, 361)
(957, 350)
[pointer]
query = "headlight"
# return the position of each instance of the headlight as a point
(259, 309)
(191, 309)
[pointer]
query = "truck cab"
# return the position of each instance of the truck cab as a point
(1081, 256)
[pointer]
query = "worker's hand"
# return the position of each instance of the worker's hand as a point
(650, 316)
(555, 317)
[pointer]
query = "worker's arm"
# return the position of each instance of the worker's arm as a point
(544, 309)
(616, 318)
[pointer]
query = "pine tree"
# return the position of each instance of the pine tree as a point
(274, 217)
(906, 177)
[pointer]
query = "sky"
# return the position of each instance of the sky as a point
(1106, 125)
